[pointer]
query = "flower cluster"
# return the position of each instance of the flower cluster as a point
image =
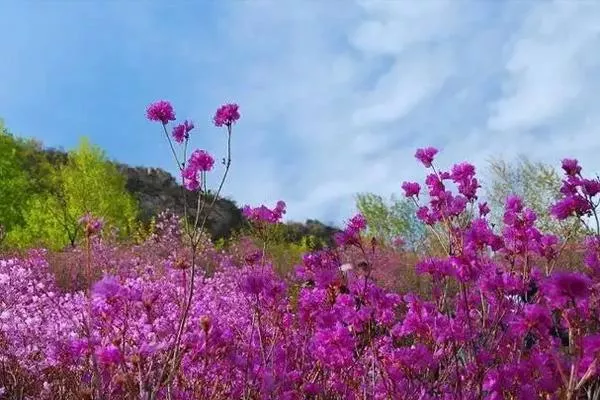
(200, 161)
(263, 214)
(91, 225)
(579, 193)
(226, 115)
(161, 111)
(351, 233)
(500, 317)
(182, 131)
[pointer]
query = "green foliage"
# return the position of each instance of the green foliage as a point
(86, 183)
(389, 220)
(14, 182)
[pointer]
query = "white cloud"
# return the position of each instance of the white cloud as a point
(336, 95)
(549, 65)
(476, 81)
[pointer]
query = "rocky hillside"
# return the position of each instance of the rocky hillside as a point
(156, 190)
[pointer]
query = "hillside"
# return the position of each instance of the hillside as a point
(155, 190)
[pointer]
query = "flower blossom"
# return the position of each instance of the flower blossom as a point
(161, 111)
(426, 155)
(181, 132)
(226, 115)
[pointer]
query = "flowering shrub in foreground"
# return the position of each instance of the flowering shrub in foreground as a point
(502, 320)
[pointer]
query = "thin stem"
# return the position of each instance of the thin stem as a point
(179, 165)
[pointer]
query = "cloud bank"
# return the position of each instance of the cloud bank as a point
(335, 96)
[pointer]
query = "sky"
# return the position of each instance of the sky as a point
(335, 95)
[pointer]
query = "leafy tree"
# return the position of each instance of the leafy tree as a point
(86, 183)
(389, 220)
(14, 182)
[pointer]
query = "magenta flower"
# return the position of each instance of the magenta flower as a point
(109, 355)
(181, 132)
(571, 166)
(190, 178)
(161, 111)
(569, 206)
(411, 189)
(263, 214)
(201, 161)
(426, 155)
(226, 115)
(568, 285)
(591, 187)
(107, 287)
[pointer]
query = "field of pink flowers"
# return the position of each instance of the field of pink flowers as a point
(502, 317)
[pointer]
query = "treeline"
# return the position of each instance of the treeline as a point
(44, 192)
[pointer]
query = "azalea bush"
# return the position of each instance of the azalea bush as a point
(495, 314)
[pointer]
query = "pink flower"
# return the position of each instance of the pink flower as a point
(190, 178)
(161, 111)
(226, 115)
(109, 354)
(263, 214)
(591, 187)
(200, 160)
(426, 155)
(411, 189)
(570, 205)
(571, 166)
(181, 131)
(567, 285)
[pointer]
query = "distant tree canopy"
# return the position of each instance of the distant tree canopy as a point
(87, 182)
(389, 220)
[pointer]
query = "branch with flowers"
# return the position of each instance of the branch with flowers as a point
(193, 174)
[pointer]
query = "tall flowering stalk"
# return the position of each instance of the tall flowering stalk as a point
(193, 175)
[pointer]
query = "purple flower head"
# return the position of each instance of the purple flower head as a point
(514, 204)
(569, 285)
(571, 166)
(357, 223)
(109, 355)
(591, 187)
(108, 286)
(226, 115)
(426, 155)
(411, 189)
(161, 111)
(200, 160)
(263, 214)
(181, 132)
(190, 178)
(569, 206)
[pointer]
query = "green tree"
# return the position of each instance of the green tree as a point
(14, 181)
(389, 220)
(88, 182)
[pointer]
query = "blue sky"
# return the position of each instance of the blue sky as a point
(335, 96)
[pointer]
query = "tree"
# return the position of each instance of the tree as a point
(87, 183)
(387, 221)
(14, 182)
